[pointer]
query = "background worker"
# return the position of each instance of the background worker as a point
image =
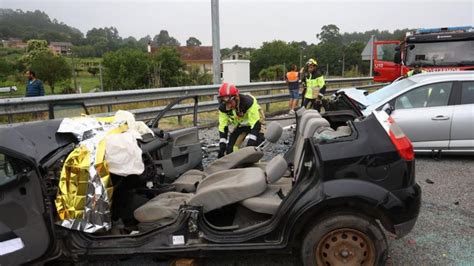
(315, 85)
(244, 114)
(416, 70)
(292, 80)
(303, 76)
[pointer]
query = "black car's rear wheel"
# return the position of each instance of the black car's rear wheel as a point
(345, 239)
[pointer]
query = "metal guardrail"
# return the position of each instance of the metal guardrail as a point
(16, 106)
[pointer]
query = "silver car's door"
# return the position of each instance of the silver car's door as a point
(462, 129)
(425, 116)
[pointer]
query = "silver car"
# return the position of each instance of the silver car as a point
(435, 110)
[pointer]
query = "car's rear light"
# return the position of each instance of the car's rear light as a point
(401, 142)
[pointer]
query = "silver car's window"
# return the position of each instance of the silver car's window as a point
(431, 95)
(467, 94)
(387, 91)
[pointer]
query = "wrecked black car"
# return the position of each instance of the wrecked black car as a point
(322, 199)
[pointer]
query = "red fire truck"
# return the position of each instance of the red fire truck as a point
(437, 49)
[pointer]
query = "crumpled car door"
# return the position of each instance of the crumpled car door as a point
(24, 234)
(183, 150)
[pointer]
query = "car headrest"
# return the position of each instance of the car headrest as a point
(275, 169)
(273, 132)
(300, 111)
(307, 115)
(314, 124)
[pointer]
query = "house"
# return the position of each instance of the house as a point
(200, 56)
(63, 48)
(14, 43)
(236, 55)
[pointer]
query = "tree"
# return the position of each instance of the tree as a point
(132, 43)
(271, 54)
(330, 34)
(84, 51)
(192, 41)
(169, 67)
(272, 73)
(196, 77)
(33, 47)
(50, 68)
(164, 39)
(126, 69)
(104, 39)
(35, 25)
(6, 69)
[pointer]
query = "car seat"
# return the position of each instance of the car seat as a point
(215, 191)
(189, 180)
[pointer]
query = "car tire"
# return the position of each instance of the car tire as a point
(344, 239)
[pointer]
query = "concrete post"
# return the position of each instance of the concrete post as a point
(216, 49)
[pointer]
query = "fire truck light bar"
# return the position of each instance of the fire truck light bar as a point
(447, 29)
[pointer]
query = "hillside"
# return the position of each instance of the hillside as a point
(35, 25)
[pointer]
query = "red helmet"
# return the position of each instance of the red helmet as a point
(228, 90)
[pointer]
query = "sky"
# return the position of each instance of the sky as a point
(250, 23)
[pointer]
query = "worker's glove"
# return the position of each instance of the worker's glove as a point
(251, 140)
(222, 147)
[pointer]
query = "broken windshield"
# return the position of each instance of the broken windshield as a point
(440, 53)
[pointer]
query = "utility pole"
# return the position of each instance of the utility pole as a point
(74, 72)
(100, 76)
(216, 49)
(371, 54)
(343, 63)
(301, 57)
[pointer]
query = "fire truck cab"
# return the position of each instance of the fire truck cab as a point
(436, 49)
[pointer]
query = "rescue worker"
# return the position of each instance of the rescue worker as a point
(303, 76)
(315, 85)
(293, 82)
(416, 70)
(244, 114)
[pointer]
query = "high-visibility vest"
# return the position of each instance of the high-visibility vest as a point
(412, 72)
(313, 84)
(292, 76)
(248, 119)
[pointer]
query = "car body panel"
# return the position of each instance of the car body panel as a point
(426, 127)
(462, 130)
(36, 139)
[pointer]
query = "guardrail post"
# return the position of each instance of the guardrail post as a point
(109, 108)
(10, 119)
(267, 105)
(180, 120)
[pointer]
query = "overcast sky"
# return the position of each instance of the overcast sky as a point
(249, 23)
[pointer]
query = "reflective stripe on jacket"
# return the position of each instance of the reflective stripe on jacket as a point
(249, 117)
(313, 84)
